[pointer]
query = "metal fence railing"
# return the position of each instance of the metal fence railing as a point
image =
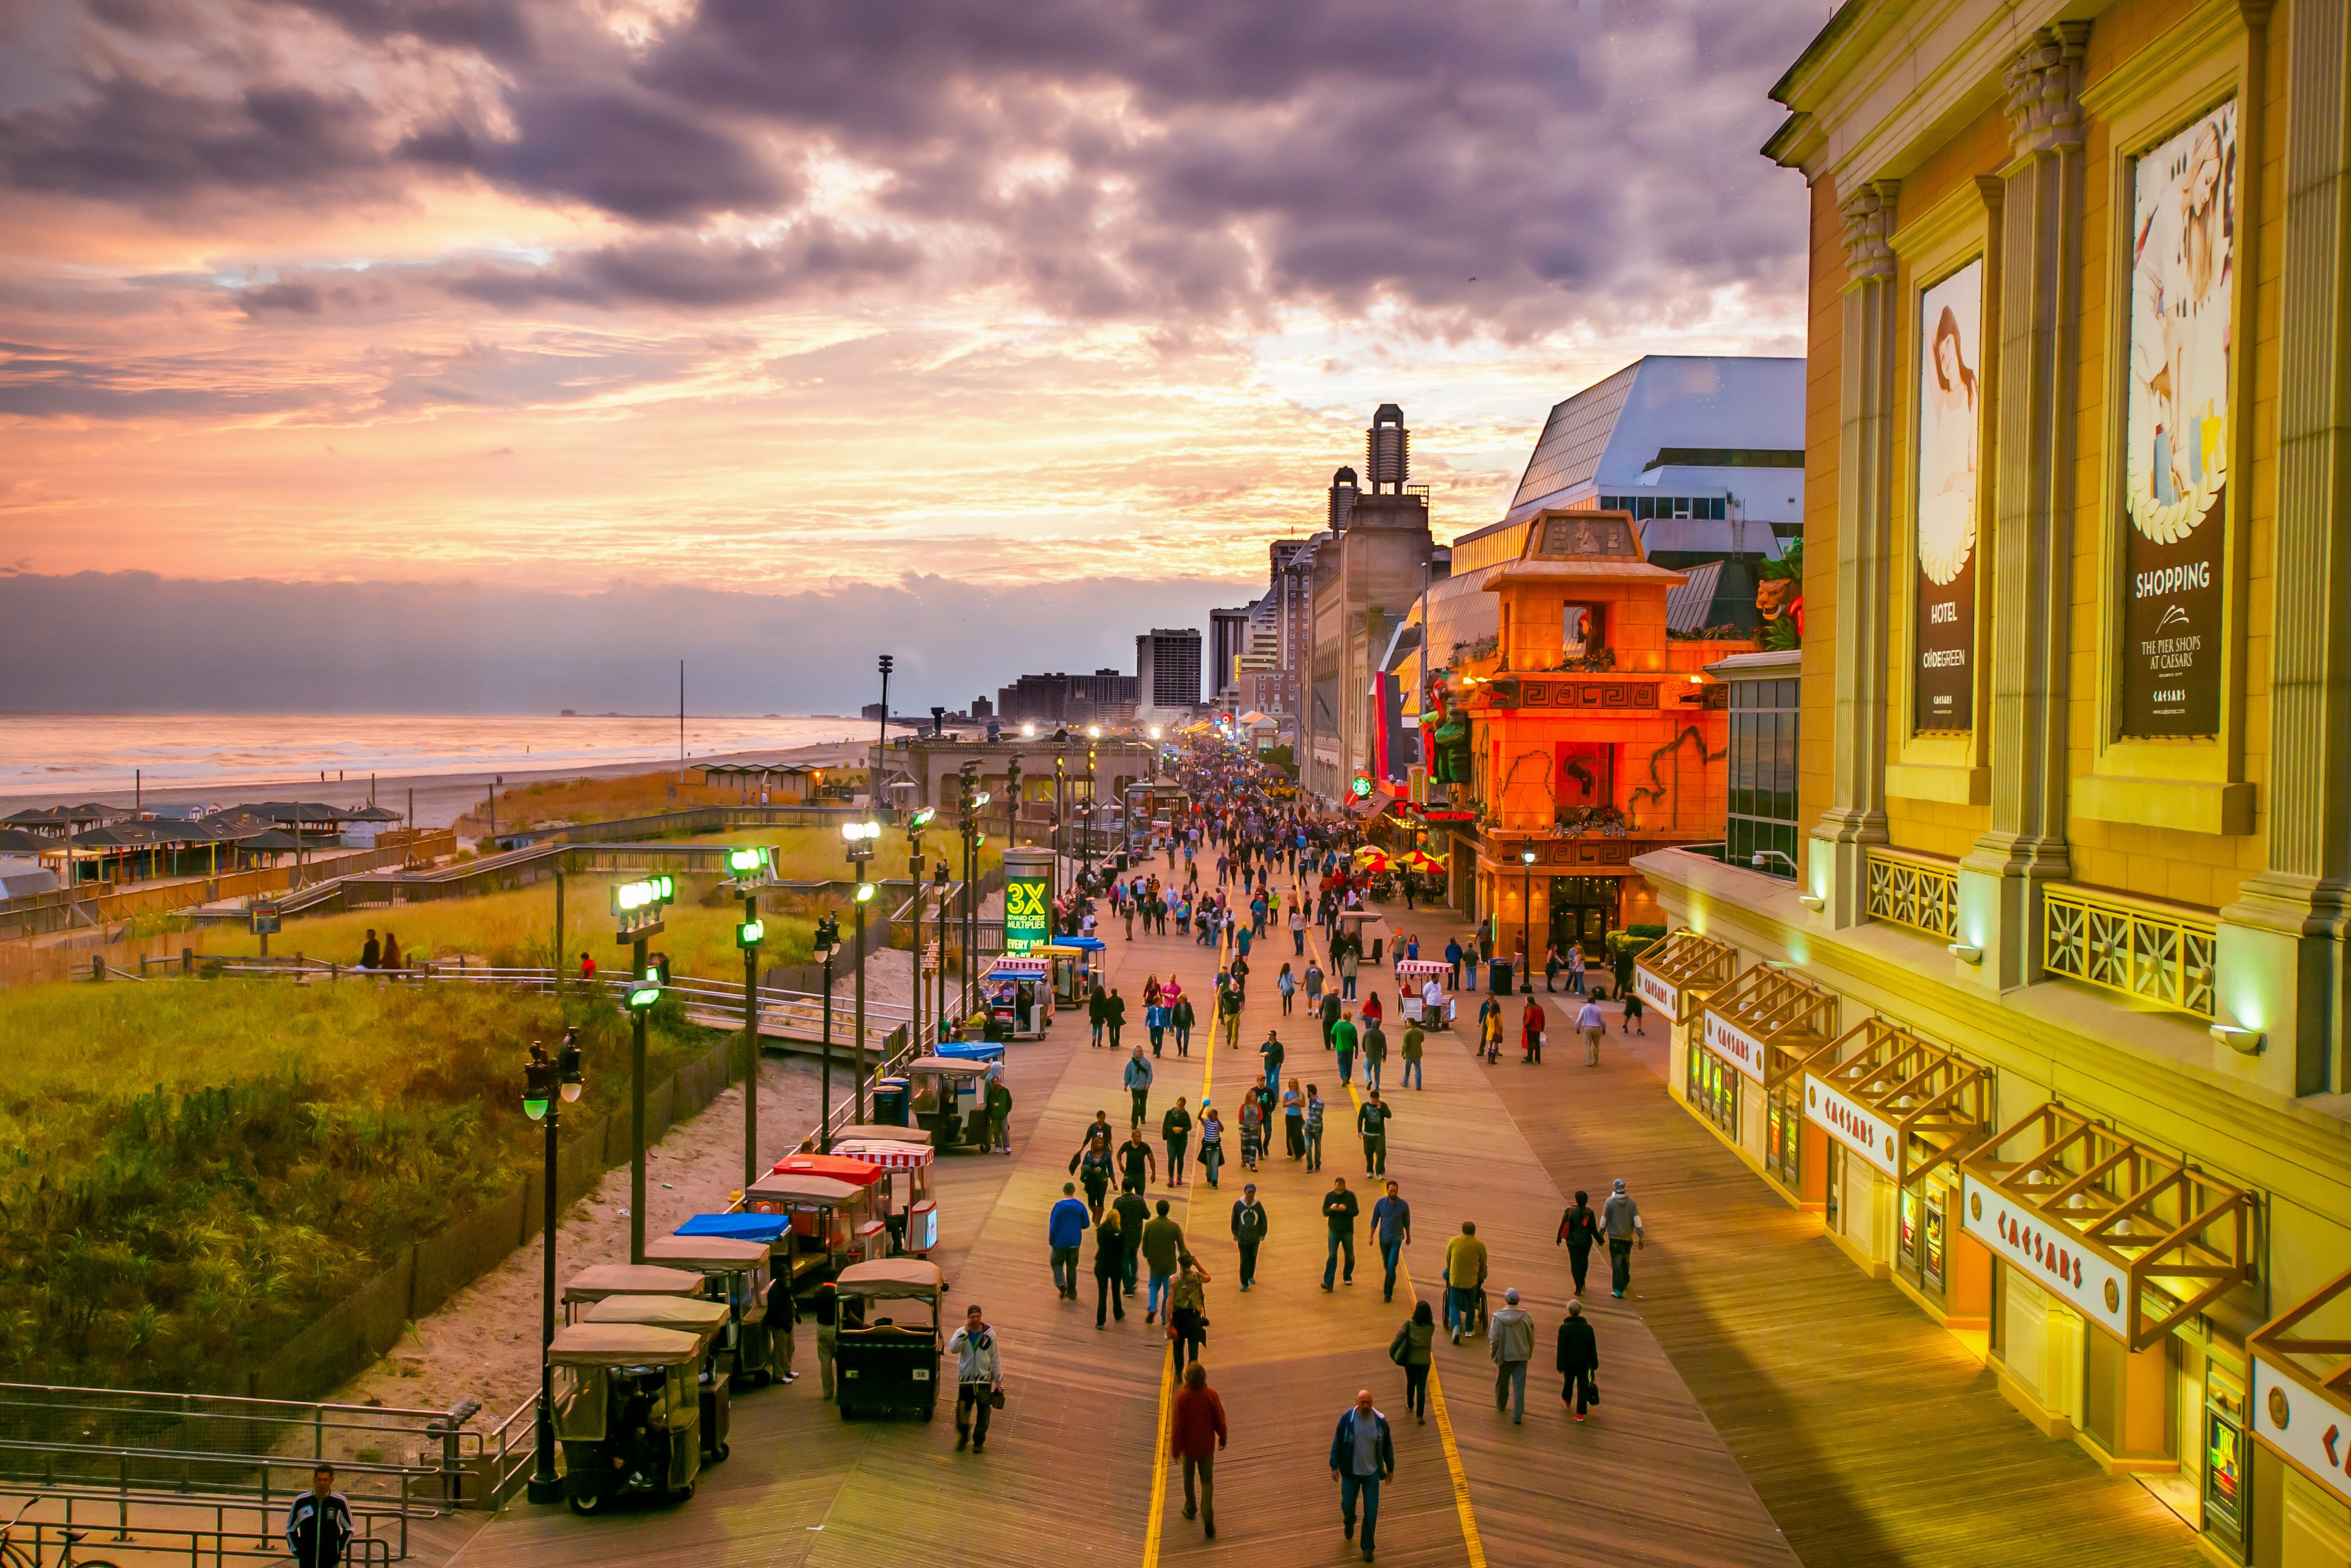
(44, 1523)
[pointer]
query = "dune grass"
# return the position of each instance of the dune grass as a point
(190, 1172)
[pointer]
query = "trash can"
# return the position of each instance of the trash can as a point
(890, 1102)
(1498, 975)
(1377, 943)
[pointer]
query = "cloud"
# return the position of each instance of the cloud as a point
(466, 647)
(682, 271)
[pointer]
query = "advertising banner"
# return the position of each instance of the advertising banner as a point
(1028, 913)
(1863, 1132)
(1657, 994)
(1950, 419)
(2176, 433)
(1734, 1045)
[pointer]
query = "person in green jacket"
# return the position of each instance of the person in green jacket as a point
(1414, 1349)
(1163, 1247)
(1412, 1038)
(1343, 1040)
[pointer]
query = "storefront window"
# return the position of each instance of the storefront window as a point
(1906, 1240)
(1783, 1137)
(1930, 1258)
(2224, 1461)
(1714, 1088)
(1834, 1213)
(1762, 819)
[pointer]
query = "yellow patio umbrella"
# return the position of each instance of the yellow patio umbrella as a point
(1423, 861)
(1372, 860)
(1370, 851)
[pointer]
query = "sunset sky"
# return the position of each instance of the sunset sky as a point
(778, 298)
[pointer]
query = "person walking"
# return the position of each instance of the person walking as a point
(1372, 1122)
(1097, 1010)
(1293, 1121)
(1181, 1017)
(1630, 1022)
(1272, 1052)
(1176, 1132)
(1137, 1078)
(783, 1318)
(1392, 1228)
(1464, 1276)
(1287, 983)
(1510, 1338)
(1187, 1314)
(1348, 964)
(1343, 1040)
(1362, 1455)
(1339, 1211)
(1110, 1269)
(1375, 1048)
(1531, 1033)
(1297, 926)
(1065, 1233)
(1138, 1165)
(1620, 1221)
(1228, 1015)
(1575, 967)
(1249, 1224)
(1489, 1028)
(318, 1526)
(998, 1101)
(1579, 1228)
(1162, 1248)
(980, 1376)
(1453, 964)
(1330, 1017)
(1314, 986)
(1196, 1431)
(1414, 1349)
(1212, 1141)
(1551, 967)
(1133, 1211)
(1579, 1360)
(825, 1308)
(1093, 1166)
(1414, 1039)
(1313, 1127)
(1252, 1129)
(1592, 1023)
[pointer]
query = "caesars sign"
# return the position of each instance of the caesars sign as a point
(1950, 336)
(2051, 1258)
(1027, 923)
(2176, 433)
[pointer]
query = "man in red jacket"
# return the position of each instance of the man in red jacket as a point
(1195, 1433)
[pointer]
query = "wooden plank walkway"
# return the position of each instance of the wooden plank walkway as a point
(1068, 1471)
(1872, 1434)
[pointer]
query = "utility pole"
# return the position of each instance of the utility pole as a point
(828, 938)
(861, 837)
(637, 907)
(881, 754)
(748, 865)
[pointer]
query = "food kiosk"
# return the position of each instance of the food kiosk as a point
(914, 1212)
(708, 1322)
(1019, 993)
(1412, 978)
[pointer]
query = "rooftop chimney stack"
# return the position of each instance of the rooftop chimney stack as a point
(1343, 490)
(1388, 451)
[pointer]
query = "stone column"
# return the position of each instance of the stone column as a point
(2032, 541)
(2280, 961)
(1867, 408)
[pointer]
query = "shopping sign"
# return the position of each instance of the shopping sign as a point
(1734, 1045)
(2055, 1261)
(1665, 998)
(1027, 919)
(2302, 1425)
(1863, 1132)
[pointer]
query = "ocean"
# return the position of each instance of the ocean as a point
(70, 757)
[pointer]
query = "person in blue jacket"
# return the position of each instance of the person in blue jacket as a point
(1065, 1232)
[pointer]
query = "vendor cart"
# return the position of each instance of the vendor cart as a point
(1019, 994)
(1411, 980)
(889, 1365)
(915, 1213)
(947, 1096)
(736, 1269)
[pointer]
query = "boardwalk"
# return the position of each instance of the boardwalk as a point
(1068, 1473)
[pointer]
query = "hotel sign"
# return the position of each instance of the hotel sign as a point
(2309, 1430)
(1863, 1132)
(1734, 1045)
(2052, 1258)
(1665, 998)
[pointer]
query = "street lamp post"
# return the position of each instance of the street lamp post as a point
(861, 838)
(916, 823)
(939, 880)
(1526, 907)
(828, 938)
(546, 1085)
(637, 907)
(881, 754)
(748, 865)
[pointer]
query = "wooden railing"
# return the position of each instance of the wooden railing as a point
(1917, 891)
(2154, 952)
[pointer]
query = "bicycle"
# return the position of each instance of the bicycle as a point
(15, 1556)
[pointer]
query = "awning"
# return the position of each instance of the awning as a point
(2135, 1240)
(1025, 966)
(1769, 1022)
(1677, 975)
(888, 1156)
(1906, 1105)
(856, 1172)
(2302, 1385)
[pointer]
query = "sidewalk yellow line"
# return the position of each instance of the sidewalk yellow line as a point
(1158, 1516)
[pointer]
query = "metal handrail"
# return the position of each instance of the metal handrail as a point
(221, 1542)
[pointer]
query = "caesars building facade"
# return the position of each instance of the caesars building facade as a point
(2046, 1015)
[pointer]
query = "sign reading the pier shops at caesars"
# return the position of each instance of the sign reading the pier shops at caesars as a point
(1950, 418)
(2176, 432)
(1027, 914)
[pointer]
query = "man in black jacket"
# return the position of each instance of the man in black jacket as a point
(1249, 1230)
(1362, 1455)
(1339, 1211)
(318, 1526)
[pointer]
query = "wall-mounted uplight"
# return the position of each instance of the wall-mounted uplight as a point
(2243, 1041)
(1813, 901)
(1967, 951)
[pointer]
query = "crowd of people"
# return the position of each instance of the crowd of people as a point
(1244, 870)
